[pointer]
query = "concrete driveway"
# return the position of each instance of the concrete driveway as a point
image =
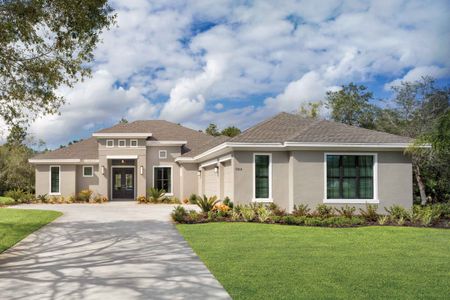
(106, 251)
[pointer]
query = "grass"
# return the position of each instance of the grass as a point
(6, 201)
(262, 261)
(16, 224)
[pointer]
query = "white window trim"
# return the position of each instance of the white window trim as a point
(171, 177)
(270, 199)
(107, 141)
(375, 199)
(162, 156)
(50, 180)
(131, 143)
(124, 145)
(84, 175)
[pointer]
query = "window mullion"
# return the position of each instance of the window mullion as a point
(341, 178)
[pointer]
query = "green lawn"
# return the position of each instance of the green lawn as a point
(262, 261)
(6, 201)
(15, 224)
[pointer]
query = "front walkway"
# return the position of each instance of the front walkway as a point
(106, 251)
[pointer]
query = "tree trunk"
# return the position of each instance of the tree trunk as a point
(423, 196)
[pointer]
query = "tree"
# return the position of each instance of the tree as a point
(310, 110)
(123, 121)
(45, 45)
(16, 137)
(351, 106)
(212, 130)
(231, 131)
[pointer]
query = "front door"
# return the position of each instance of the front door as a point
(123, 183)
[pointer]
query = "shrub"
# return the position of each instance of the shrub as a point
(155, 195)
(193, 199)
(206, 204)
(293, 220)
(324, 211)
(16, 194)
(301, 210)
(313, 221)
(185, 201)
(382, 220)
(178, 214)
(173, 200)
(276, 210)
(401, 221)
(263, 214)
(370, 213)
(346, 211)
(70, 199)
(221, 207)
(84, 195)
(248, 214)
(42, 198)
(100, 199)
(193, 217)
(396, 212)
(141, 199)
(235, 216)
(7, 201)
(228, 202)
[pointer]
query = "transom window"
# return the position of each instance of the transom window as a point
(122, 143)
(162, 154)
(88, 171)
(133, 143)
(109, 143)
(262, 176)
(54, 180)
(350, 176)
(163, 178)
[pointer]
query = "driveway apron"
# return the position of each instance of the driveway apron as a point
(108, 251)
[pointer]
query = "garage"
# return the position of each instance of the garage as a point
(210, 181)
(227, 179)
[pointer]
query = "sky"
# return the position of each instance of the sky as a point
(240, 62)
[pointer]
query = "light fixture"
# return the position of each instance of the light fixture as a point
(123, 161)
(199, 173)
(103, 170)
(141, 170)
(216, 169)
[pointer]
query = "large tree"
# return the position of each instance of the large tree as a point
(231, 131)
(45, 44)
(212, 130)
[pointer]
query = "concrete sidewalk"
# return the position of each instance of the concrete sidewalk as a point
(108, 251)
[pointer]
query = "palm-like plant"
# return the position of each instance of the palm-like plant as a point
(206, 204)
(156, 196)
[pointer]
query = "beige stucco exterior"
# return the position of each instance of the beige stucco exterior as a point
(67, 179)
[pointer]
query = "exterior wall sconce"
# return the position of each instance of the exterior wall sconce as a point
(199, 173)
(141, 170)
(103, 170)
(216, 169)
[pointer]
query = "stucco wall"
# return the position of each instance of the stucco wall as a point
(394, 179)
(154, 160)
(211, 183)
(189, 180)
(227, 179)
(90, 183)
(67, 179)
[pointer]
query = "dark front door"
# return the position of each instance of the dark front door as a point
(123, 183)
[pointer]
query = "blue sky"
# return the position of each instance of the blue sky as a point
(239, 62)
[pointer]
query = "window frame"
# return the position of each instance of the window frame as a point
(374, 199)
(107, 146)
(171, 178)
(160, 156)
(131, 143)
(92, 167)
(50, 180)
(124, 143)
(269, 199)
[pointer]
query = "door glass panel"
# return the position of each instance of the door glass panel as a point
(117, 181)
(129, 181)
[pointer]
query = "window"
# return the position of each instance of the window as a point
(350, 176)
(163, 178)
(262, 177)
(54, 180)
(133, 143)
(162, 154)
(109, 143)
(88, 171)
(122, 143)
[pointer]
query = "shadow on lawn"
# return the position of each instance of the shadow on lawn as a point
(144, 259)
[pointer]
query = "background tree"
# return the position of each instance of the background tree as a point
(231, 131)
(310, 109)
(123, 121)
(212, 130)
(45, 44)
(351, 106)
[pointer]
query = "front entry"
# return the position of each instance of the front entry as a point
(123, 183)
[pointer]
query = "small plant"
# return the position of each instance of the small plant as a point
(193, 217)
(70, 199)
(155, 195)
(141, 199)
(401, 221)
(42, 198)
(221, 207)
(84, 195)
(178, 214)
(248, 214)
(235, 216)
(16, 194)
(174, 200)
(193, 199)
(206, 204)
(396, 212)
(228, 202)
(382, 220)
(185, 201)
(276, 210)
(346, 211)
(263, 214)
(301, 210)
(370, 213)
(324, 211)
(313, 221)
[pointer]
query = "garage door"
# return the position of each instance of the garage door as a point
(210, 182)
(227, 180)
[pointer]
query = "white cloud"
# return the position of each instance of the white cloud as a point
(417, 73)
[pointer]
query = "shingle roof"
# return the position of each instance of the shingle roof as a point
(206, 146)
(286, 127)
(86, 149)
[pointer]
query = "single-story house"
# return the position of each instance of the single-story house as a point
(286, 159)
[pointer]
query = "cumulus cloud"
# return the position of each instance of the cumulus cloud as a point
(176, 60)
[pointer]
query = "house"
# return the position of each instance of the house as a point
(286, 159)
